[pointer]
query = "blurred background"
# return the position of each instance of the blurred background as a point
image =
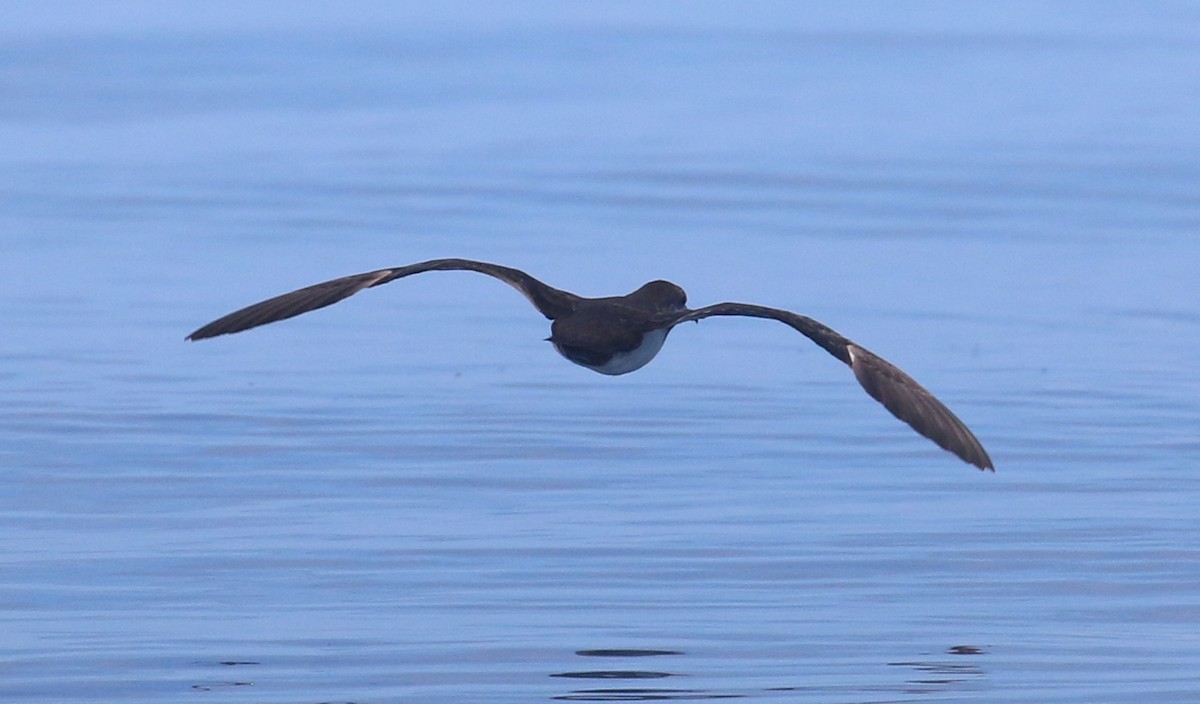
(411, 497)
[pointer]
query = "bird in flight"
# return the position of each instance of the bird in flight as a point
(620, 334)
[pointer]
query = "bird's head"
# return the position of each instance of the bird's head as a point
(661, 296)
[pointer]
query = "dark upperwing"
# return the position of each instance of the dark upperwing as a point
(549, 301)
(882, 380)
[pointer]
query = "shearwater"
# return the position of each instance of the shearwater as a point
(620, 334)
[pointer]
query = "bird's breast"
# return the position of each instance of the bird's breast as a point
(614, 363)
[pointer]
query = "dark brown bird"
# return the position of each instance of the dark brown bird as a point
(620, 334)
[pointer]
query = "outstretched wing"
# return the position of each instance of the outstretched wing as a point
(883, 381)
(550, 301)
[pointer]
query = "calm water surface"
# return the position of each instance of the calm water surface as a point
(411, 498)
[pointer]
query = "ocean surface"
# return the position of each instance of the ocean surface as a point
(410, 497)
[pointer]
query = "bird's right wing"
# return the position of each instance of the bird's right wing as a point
(882, 380)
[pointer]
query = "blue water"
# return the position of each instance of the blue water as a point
(411, 498)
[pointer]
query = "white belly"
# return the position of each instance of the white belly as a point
(625, 362)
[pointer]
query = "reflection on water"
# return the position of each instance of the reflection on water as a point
(416, 500)
(933, 676)
(627, 694)
(937, 675)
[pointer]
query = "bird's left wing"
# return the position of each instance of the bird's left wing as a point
(550, 302)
